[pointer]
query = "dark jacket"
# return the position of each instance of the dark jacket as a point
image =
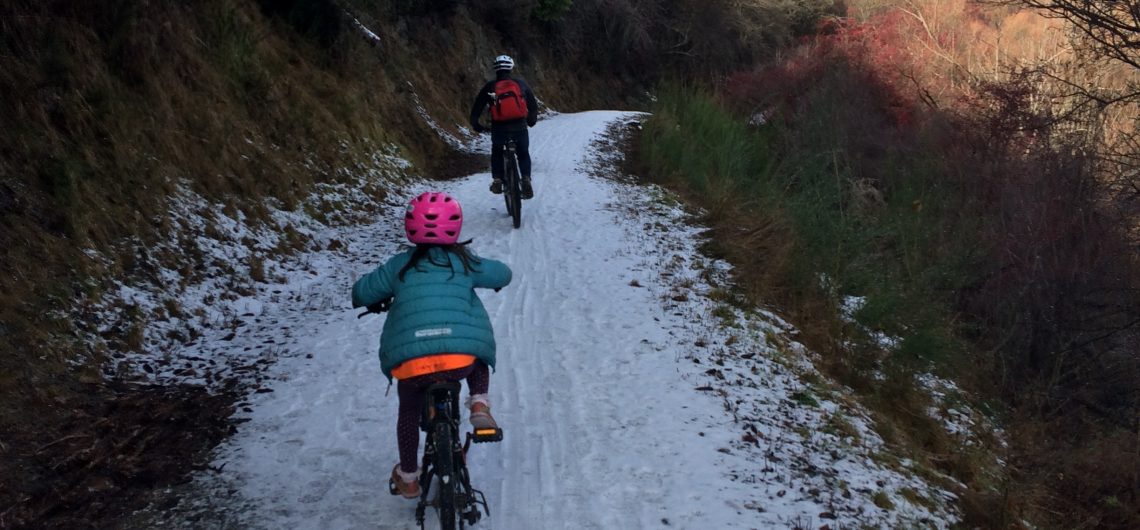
(483, 99)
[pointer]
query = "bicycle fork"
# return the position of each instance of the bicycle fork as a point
(468, 500)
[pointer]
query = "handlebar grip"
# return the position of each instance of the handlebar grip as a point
(378, 307)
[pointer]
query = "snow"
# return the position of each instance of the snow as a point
(949, 408)
(632, 392)
(205, 320)
(473, 141)
(369, 34)
(850, 305)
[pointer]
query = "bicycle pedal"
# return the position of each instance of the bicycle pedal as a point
(392, 487)
(472, 516)
(487, 435)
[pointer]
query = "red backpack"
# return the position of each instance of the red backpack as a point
(509, 103)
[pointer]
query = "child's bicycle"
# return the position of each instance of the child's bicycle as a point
(444, 458)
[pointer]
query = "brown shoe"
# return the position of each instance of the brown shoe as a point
(407, 490)
(481, 416)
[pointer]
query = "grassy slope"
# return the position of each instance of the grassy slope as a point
(985, 250)
(111, 106)
(108, 108)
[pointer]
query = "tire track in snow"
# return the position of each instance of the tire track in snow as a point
(557, 310)
(526, 350)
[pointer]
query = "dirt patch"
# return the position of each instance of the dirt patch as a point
(123, 442)
(612, 146)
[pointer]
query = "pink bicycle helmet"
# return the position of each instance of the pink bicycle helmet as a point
(433, 218)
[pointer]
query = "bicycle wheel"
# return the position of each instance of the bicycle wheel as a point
(444, 470)
(514, 181)
(507, 188)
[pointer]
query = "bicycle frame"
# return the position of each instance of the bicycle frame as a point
(512, 182)
(441, 416)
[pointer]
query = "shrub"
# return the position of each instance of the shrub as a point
(976, 225)
(318, 19)
(551, 10)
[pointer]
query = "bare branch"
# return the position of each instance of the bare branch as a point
(1112, 27)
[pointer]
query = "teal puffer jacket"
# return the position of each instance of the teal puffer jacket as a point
(435, 308)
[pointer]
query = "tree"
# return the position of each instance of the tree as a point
(1111, 28)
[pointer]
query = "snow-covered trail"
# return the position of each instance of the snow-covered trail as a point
(596, 386)
(598, 432)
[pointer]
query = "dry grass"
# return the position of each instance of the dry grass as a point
(937, 181)
(111, 107)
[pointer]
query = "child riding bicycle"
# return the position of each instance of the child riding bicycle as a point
(437, 328)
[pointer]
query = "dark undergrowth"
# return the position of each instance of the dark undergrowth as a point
(118, 443)
(109, 108)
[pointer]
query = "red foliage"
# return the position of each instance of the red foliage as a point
(870, 54)
(1052, 297)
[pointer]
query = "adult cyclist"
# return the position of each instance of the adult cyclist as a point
(513, 109)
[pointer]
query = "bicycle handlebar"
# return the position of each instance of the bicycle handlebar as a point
(378, 307)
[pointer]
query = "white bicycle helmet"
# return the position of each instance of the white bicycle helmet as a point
(503, 62)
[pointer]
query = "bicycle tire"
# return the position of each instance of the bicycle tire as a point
(444, 470)
(506, 185)
(508, 173)
(514, 189)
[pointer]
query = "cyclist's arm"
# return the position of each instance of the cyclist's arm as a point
(531, 105)
(481, 102)
(492, 274)
(373, 287)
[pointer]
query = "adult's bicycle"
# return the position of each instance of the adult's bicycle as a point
(512, 180)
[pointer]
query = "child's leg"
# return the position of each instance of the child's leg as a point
(478, 381)
(412, 396)
(408, 424)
